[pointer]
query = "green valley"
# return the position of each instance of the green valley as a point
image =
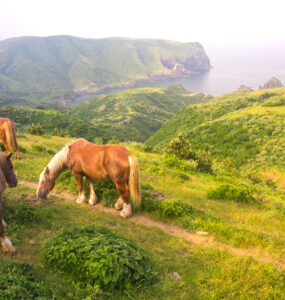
(135, 114)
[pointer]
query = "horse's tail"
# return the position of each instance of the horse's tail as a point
(10, 134)
(134, 181)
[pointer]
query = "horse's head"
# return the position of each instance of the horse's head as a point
(7, 168)
(46, 183)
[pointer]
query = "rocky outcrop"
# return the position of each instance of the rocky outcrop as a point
(271, 84)
(186, 65)
(243, 88)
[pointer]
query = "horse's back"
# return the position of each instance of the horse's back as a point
(98, 160)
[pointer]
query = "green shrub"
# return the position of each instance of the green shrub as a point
(113, 141)
(19, 281)
(21, 213)
(174, 208)
(170, 160)
(35, 129)
(228, 191)
(180, 148)
(148, 203)
(38, 148)
(98, 256)
(110, 197)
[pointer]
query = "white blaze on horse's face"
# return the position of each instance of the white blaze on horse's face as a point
(46, 184)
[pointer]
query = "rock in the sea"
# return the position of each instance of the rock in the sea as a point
(244, 88)
(271, 84)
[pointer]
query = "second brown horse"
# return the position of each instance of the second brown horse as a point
(95, 162)
(8, 136)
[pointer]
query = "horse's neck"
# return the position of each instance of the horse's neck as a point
(58, 163)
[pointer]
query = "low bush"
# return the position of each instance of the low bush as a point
(174, 208)
(181, 155)
(19, 281)
(35, 129)
(148, 203)
(238, 193)
(110, 197)
(21, 213)
(98, 256)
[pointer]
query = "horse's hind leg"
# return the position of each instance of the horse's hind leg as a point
(6, 243)
(123, 189)
(93, 197)
(79, 181)
(119, 204)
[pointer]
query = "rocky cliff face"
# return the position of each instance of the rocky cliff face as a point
(186, 65)
(271, 84)
(243, 88)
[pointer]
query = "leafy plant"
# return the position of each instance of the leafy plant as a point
(19, 281)
(35, 129)
(240, 193)
(99, 256)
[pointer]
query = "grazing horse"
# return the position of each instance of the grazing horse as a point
(8, 136)
(95, 162)
(7, 175)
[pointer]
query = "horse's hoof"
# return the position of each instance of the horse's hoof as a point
(118, 206)
(80, 201)
(92, 202)
(7, 246)
(124, 214)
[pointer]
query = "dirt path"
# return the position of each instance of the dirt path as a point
(197, 239)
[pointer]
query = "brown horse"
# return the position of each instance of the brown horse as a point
(8, 136)
(95, 162)
(7, 175)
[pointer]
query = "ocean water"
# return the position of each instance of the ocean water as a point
(232, 66)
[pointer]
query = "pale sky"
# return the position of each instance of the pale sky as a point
(206, 21)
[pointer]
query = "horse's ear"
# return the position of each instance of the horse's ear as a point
(47, 171)
(9, 155)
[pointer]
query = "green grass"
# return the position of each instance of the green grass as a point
(241, 126)
(207, 271)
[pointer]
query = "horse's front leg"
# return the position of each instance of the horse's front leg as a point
(79, 181)
(93, 197)
(5, 145)
(6, 243)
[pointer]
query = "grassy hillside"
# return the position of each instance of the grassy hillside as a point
(135, 114)
(50, 119)
(131, 115)
(63, 63)
(242, 126)
(239, 252)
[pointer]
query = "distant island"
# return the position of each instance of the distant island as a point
(65, 67)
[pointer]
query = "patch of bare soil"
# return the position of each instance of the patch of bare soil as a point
(196, 239)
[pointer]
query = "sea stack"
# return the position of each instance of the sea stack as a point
(271, 84)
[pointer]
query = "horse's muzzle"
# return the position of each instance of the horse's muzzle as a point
(42, 195)
(12, 185)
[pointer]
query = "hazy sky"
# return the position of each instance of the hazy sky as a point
(207, 21)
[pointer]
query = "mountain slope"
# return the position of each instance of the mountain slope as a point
(64, 63)
(135, 114)
(243, 126)
(49, 120)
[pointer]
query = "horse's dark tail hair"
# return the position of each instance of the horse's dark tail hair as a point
(134, 181)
